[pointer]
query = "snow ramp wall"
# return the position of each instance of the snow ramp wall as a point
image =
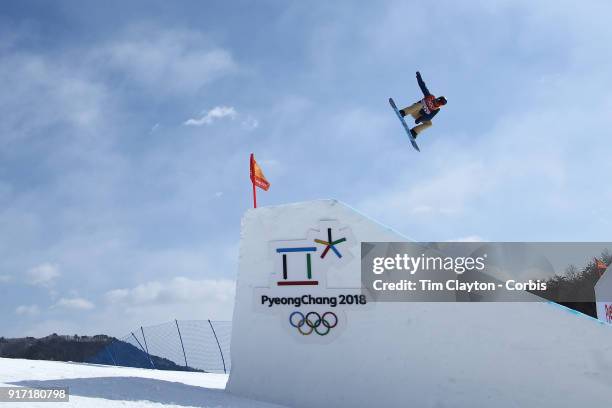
(291, 345)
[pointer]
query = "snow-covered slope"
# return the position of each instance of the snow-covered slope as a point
(109, 387)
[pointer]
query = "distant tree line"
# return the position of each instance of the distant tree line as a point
(577, 283)
(99, 349)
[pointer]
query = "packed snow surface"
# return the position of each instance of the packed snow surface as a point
(108, 386)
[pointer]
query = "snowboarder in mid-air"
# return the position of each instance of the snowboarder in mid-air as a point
(424, 110)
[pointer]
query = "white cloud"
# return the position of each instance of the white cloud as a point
(208, 117)
(27, 310)
(170, 61)
(445, 193)
(43, 275)
(161, 300)
(75, 303)
(43, 92)
(250, 123)
(5, 278)
(177, 290)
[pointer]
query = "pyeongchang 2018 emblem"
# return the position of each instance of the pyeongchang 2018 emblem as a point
(299, 290)
(304, 262)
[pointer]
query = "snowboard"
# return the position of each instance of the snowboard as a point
(406, 128)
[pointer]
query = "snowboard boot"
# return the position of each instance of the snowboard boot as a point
(413, 133)
(401, 111)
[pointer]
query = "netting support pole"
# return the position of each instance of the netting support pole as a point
(181, 339)
(143, 350)
(147, 347)
(219, 345)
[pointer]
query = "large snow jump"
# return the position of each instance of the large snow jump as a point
(292, 344)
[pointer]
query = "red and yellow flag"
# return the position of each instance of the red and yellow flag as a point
(257, 176)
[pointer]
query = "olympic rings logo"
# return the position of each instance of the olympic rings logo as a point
(313, 322)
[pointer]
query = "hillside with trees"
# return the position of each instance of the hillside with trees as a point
(99, 349)
(578, 283)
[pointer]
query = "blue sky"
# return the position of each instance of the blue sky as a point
(126, 130)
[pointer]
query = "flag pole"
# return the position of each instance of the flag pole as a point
(252, 172)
